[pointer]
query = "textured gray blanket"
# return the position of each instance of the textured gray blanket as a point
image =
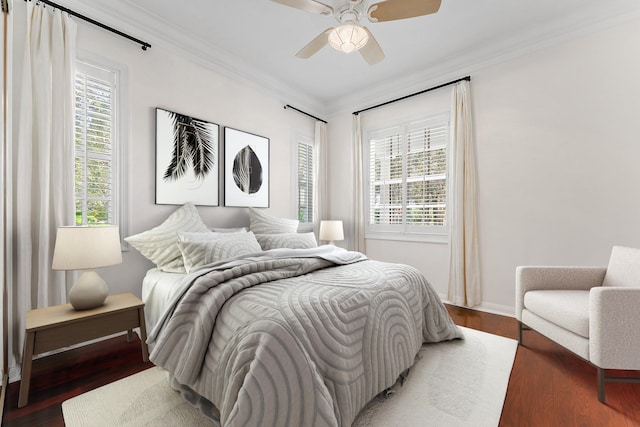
(279, 341)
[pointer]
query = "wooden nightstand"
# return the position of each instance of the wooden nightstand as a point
(59, 326)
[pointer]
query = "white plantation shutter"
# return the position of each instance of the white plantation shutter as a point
(408, 177)
(95, 146)
(426, 201)
(386, 177)
(305, 181)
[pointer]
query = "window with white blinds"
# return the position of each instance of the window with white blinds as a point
(407, 177)
(305, 180)
(95, 146)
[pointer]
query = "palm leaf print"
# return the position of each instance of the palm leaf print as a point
(192, 148)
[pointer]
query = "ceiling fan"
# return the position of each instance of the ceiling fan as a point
(349, 35)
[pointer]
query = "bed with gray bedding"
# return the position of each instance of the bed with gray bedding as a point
(295, 337)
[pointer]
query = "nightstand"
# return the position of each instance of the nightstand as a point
(60, 326)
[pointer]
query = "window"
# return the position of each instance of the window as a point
(407, 173)
(304, 152)
(98, 146)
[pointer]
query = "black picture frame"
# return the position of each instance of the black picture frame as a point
(246, 169)
(187, 160)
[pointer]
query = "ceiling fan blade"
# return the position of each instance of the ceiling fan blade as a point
(390, 10)
(308, 6)
(315, 45)
(371, 52)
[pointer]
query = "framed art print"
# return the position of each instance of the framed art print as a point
(186, 160)
(246, 169)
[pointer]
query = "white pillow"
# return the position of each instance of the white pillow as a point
(189, 236)
(203, 252)
(160, 244)
(229, 230)
(263, 223)
(288, 240)
(207, 235)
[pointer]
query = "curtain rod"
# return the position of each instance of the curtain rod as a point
(306, 114)
(467, 78)
(143, 44)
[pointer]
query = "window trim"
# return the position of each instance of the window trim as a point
(121, 172)
(403, 232)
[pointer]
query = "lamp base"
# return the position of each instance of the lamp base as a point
(89, 291)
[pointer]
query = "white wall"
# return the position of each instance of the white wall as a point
(159, 77)
(557, 134)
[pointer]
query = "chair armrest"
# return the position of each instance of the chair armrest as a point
(614, 327)
(529, 278)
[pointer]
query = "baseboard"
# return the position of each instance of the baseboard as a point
(487, 307)
(503, 310)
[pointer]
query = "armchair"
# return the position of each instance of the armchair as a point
(592, 311)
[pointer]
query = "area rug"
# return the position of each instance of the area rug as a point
(455, 383)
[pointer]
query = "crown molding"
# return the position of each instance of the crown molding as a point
(128, 16)
(475, 60)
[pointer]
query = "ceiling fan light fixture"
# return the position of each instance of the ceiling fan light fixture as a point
(348, 38)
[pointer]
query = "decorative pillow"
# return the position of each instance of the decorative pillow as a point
(288, 240)
(263, 223)
(207, 235)
(160, 244)
(189, 236)
(203, 252)
(229, 230)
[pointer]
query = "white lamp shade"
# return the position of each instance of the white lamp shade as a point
(81, 248)
(331, 230)
(348, 37)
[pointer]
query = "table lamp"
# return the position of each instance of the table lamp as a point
(331, 231)
(86, 248)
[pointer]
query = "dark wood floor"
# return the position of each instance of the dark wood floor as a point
(548, 385)
(57, 378)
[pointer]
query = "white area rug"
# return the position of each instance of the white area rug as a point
(455, 383)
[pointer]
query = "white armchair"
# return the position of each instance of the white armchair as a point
(592, 311)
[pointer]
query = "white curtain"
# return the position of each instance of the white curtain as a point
(4, 175)
(358, 180)
(464, 266)
(44, 171)
(320, 176)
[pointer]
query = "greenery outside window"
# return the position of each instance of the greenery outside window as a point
(407, 179)
(100, 155)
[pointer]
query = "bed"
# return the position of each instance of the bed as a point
(261, 327)
(302, 337)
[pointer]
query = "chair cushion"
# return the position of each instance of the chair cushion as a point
(567, 309)
(624, 268)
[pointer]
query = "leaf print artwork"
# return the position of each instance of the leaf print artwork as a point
(187, 164)
(247, 171)
(192, 148)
